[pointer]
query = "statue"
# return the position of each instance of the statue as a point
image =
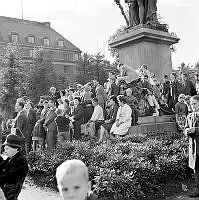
(142, 12)
(151, 12)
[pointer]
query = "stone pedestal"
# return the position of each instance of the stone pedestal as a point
(143, 45)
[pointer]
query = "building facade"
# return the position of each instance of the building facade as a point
(30, 34)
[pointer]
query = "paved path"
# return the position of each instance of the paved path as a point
(181, 197)
(31, 192)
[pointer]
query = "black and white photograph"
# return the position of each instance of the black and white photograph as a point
(99, 100)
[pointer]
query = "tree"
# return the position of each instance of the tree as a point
(11, 79)
(113, 51)
(93, 66)
(41, 76)
(84, 74)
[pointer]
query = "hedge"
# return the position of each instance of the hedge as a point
(127, 169)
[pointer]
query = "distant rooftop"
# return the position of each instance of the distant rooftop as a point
(25, 28)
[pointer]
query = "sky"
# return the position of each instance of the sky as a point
(88, 24)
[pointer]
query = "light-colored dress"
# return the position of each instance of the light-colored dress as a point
(123, 115)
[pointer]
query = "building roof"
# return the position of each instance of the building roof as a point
(39, 30)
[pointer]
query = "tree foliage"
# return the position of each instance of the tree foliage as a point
(113, 51)
(93, 66)
(41, 76)
(11, 78)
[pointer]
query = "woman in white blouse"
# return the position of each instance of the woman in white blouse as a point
(123, 119)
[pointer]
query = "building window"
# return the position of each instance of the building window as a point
(65, 69)
(14, 38)
(31, 53)
(46, 41)
(60, 43)
(31, 39)
(76, 56)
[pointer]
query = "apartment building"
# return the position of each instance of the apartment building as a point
(30, 34)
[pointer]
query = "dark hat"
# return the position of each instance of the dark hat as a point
(12, 141)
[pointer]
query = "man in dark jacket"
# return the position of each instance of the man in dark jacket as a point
(188, 87)
(77, 118)
(31, 121)
(21, 121)
(50, 125)
(14, 169)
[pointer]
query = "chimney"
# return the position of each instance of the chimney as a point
(47, 24)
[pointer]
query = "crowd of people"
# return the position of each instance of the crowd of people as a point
(101, 111)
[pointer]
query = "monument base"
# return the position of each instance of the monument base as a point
(143, 45)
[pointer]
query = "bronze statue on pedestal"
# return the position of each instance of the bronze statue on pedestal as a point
(140, 12)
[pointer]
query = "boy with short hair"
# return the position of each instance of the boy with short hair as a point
(62, 126)
(73, 181)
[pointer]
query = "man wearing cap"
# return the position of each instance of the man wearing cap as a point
(14, 169)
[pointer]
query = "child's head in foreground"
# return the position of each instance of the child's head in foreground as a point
(73, 180)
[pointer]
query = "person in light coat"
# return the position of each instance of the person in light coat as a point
(123, 119)
(192, 132)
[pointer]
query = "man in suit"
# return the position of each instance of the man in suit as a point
(14, 169)
(77, 118)
(31, 115)
(50, 126)
(192, 131)
(188, 87)
(21, 121)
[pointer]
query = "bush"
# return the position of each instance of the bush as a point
(121, 170)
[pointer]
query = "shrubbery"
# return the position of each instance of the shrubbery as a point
(123, 170)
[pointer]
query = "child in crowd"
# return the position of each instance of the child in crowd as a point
(62, 123)
(181, 111)
(73, 181)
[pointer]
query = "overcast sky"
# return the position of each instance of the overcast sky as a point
(89, 23)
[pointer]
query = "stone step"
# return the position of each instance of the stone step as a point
(154, 128)
(156, 119)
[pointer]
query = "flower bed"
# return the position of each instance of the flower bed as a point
(131, 168)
